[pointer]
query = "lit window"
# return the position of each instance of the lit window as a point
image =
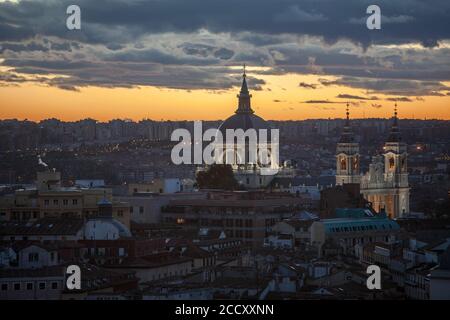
(391, 163)
(343, 164)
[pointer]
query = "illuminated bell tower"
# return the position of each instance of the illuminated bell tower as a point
(396, 172)
(347, 156)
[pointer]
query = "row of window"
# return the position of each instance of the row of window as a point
(239, 222)
(29, 286)
(359, 228)
(65, 202)
(240, 233)
(160, 276)
(141, 210)
(34, 256)
(16, 215)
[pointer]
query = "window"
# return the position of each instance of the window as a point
(33, 257)
(391, 163)
(46, 202)
(120, 213)
(54, 285)
(4, 286)
(29, 286)
(41, 285)
(65, 202)
(55, 202)
(343, 164)
(74, 202)
(141, 210)
(355, 163)
(131, 209)
(16, 286)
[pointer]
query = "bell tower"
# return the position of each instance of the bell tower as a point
(396, 171)
(347, 156)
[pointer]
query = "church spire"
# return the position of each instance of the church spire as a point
(394, 136)
(347, 134)
(244, 96)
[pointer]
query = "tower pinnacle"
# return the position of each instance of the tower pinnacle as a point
(394, 136)
(244, 96)
(347, 134)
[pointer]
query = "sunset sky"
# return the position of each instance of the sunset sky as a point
(182, 59)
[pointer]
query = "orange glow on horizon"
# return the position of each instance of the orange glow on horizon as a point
(281, 99)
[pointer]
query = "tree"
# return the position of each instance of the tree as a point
(217, 176)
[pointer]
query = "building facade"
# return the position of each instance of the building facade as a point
(386, 184)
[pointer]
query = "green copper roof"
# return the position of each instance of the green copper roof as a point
(353, 213)
(340, 225)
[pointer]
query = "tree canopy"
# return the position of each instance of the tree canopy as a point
(217, 176)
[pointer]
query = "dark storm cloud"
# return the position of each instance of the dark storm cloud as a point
(400, 99)
(307, 85)
(350, 96)
(131, 74)
(404, 20)
(204, 51)
(140, 39)
(31, 46)
(392, 86)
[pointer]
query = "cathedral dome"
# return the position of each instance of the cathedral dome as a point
(243, 121)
